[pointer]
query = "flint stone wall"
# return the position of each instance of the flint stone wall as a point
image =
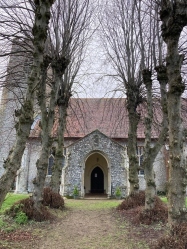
(76, 155)
(80, 150)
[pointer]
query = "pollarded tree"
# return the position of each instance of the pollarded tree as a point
(173, 15)
(47, 103)
(152, 150)
(41, 11)
(153, 55)
(122, 41)
(72, 40)
(68, 35)
(134, 43)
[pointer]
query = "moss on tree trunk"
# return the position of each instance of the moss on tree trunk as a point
(47, 122)
(132, 149)
(13, 161)
(174, 19)
(57, 167)
(151, 151)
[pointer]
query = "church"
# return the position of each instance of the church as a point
(95, 141)
(95, 150)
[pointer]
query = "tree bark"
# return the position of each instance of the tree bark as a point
(150, 152)
(123, 46)
(174, 19)
(71, 39)
(47, 121)
(46, 124)
(57, 167)
(150, 190)
(62, 101)
(134, 117)
(25, 114)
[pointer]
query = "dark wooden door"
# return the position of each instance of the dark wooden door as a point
(97, 181)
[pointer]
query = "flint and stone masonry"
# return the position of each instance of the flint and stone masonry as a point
(95, 150)
(82, 158)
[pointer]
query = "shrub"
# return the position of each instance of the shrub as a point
(176, 239)
(21, 218)
(7, 224)
(11, 199)
(2, 223)
(158, 214)
(75, 191)
(118, 192)
(52, 199)
(27, 206)
(132, 201)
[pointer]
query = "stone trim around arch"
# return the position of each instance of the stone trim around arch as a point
(86, 172)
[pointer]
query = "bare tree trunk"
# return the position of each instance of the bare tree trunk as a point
(57, 167)
(150, 152)
(25, 114)
(71, 28)
(63, 97)
(134, 118)
(174, 19)
(47, 121)
(132, 153)
(148, 159)
(177, 168)
(123, 46)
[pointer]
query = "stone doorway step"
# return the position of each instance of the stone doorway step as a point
(96, 196)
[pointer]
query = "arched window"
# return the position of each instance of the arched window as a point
(50, 165)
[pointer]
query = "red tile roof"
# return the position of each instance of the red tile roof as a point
(109, 116)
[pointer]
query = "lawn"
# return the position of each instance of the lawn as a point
(10, 199)
(93, 204)
(165, 200)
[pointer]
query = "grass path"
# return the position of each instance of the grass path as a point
(89, 224)
(84, 224)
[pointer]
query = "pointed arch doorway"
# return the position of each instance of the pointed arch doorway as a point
(96, 174)
(97, 181)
